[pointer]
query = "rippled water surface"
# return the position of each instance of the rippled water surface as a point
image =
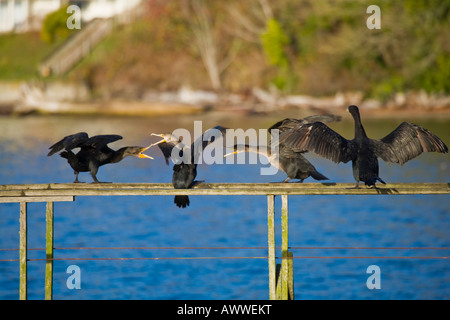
(221, 221)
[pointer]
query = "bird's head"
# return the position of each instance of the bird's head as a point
(353, 110)
(166, 138)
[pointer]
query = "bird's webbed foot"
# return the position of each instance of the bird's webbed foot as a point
(284, 181)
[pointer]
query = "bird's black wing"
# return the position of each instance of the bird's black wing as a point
(324, 118)
(406, 142)
(284, 125)
(166, 149)
(69, 142)
(98, 142)
(210, 135)
(319, 138)
(216, 134)
(290, 153)
(290, 123)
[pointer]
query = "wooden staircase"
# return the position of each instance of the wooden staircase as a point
(76, 47)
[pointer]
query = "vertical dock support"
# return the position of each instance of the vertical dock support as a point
(278, 289)
(284, 248)
(49, 252)
(23, 251)
(271, 238)
(291, 275)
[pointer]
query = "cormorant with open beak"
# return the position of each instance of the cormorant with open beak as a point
(94, 152)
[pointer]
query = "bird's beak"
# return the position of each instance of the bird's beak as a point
(153, 144)
(158, 135)
(142, 155)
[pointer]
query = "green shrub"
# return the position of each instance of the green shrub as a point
(273, 41)
(55, 27)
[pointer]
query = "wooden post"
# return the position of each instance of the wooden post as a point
(278, 279)
(291, 275)
(284, 247)
(271, 238)
(23, 251)
(49, 253)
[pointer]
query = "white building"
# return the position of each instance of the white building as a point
(25, 15)
(28, 15)
(91, 9)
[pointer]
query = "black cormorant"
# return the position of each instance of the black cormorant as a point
(185, 172)
(406, 142)
(93, 153)
(288, 159)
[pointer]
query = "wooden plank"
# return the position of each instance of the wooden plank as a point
(49, 251)
(284, 247)
(23, 251)
(36, 199)
(215, 186)
(313, 185)
(271, 248)
(144, 189)
(237, 191)
(310, 185)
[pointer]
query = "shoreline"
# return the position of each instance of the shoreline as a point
(57, 98)
(157, 109)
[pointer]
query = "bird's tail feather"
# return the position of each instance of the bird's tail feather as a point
(318, 176)
(372, 181)
(379, 179)
(181, 201)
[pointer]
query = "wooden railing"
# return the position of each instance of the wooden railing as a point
(76, 47)
(280, 283)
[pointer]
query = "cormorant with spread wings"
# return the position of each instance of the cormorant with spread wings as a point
(406, 142)
(94, 152)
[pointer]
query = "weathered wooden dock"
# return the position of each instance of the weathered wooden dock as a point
(280, 282)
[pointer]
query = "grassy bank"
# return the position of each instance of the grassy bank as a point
(20, 55)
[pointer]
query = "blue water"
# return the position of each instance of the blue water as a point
(218, 221)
